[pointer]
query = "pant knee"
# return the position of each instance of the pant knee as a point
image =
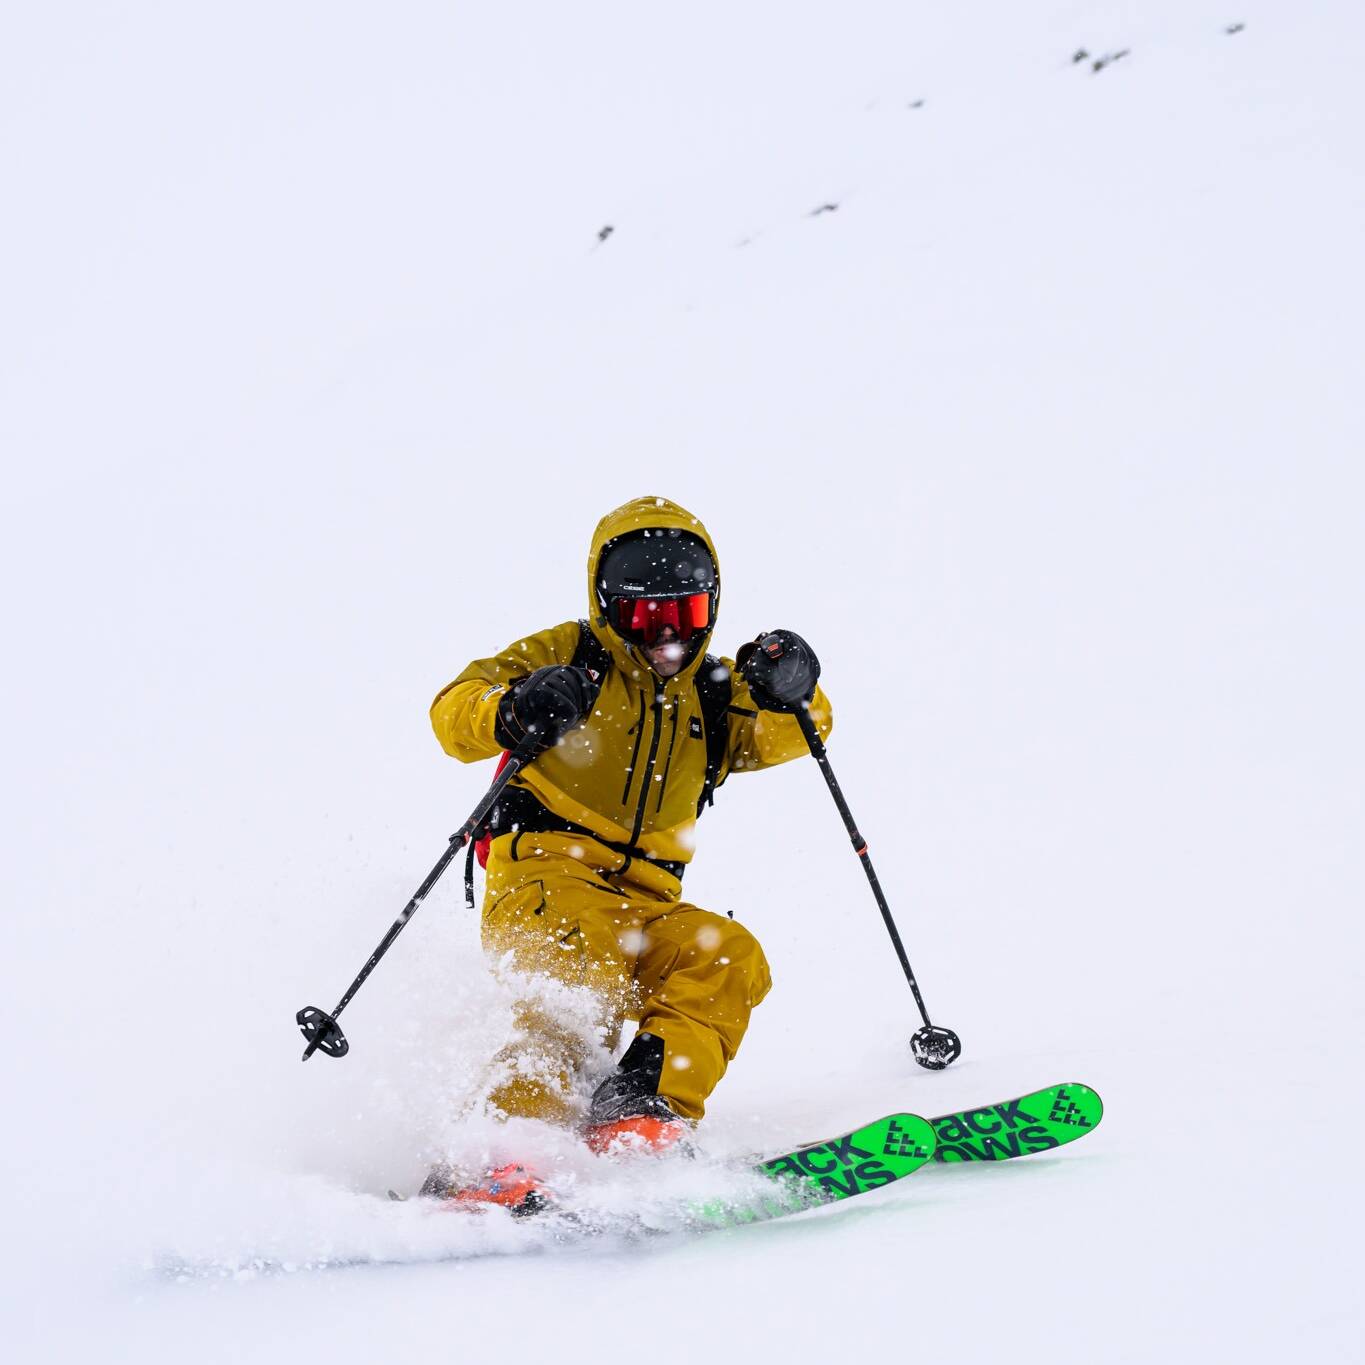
(728, 949)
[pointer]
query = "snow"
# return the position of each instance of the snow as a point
(316, 372)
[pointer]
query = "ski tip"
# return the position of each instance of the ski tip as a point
(1084, 1094)
(1039, 1121)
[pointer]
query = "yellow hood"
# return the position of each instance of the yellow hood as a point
(643, 514)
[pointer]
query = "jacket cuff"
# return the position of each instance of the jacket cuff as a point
(486, 714)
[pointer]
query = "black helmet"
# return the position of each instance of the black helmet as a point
(649, 579)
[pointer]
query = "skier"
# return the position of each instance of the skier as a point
(634, 725)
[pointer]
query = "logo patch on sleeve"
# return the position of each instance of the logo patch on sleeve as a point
(694, 727)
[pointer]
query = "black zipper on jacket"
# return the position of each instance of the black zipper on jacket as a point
(649, 768)
(668, 762)
(639, 735)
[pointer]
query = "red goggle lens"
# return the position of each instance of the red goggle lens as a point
(643, 618)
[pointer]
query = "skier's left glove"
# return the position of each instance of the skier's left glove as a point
(781, 670)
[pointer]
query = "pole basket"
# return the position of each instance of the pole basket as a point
(322, 1032)
(935, 1048)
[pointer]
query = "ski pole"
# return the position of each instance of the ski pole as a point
(932, 1046)
(320, 1028)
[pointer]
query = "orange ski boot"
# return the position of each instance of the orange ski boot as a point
(627, 1113)
(512, 1187)
(637, 1133)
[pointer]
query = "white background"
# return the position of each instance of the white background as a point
(314, 380)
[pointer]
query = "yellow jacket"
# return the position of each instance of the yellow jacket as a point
(632, 773)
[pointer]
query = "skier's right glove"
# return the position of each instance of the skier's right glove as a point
(544, 706)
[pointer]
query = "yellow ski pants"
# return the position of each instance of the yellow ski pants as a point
(688, 976)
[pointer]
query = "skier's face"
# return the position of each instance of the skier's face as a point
(666, 654)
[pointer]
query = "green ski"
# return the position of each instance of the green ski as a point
(868, 1158)
(893, 1147)
(1036, 1122)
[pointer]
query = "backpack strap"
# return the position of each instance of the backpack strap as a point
(715, 685)
(591, 653)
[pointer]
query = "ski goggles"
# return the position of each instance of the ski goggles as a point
(642, 619)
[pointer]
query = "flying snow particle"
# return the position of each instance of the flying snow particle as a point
(633, 940)
(708, 937)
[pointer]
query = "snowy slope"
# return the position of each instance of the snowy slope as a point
(314, 378)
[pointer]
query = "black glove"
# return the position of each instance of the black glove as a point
(546, 705)
(781, 670)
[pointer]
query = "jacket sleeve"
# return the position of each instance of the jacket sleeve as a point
(761, 739)
(465, 710)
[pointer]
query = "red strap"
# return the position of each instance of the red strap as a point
(482, 846)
